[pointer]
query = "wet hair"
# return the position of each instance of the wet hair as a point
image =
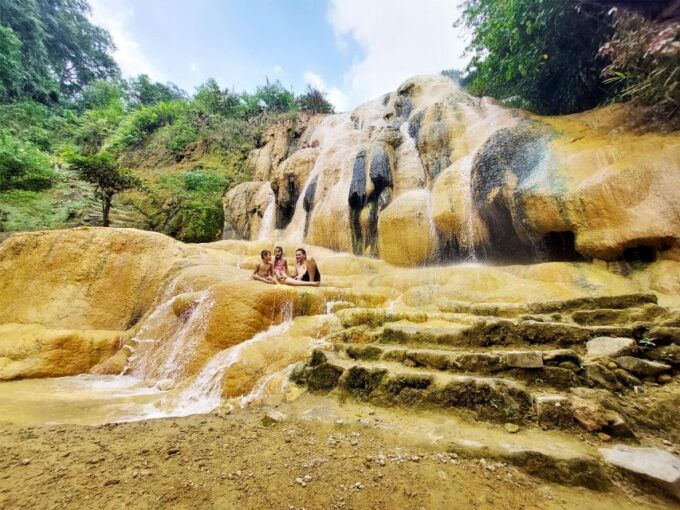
(278, 248)
(303, 251)
(264, 253)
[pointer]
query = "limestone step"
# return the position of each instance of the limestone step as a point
(498, 332)
(488, 398)
(610, 316)
(586, 303)
(558, 368)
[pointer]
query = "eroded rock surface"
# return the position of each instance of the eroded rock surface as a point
(465, 178)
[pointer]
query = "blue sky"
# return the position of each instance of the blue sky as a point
(354, 49)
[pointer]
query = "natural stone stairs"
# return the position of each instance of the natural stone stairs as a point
(581, 366)
(120, 216)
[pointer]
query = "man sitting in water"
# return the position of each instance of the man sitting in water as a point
(264, 270)
(306, 271)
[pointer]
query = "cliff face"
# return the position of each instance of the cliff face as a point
(429, 173)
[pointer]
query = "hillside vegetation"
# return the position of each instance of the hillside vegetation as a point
(63, 100)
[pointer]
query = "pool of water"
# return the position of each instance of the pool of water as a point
(83, 399)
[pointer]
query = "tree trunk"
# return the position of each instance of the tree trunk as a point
(106, 209)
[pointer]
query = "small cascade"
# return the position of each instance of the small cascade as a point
(273, 385)
(467, 234)
(268, 219)
(205, 393)
(166, 343)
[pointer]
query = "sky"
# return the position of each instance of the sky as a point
(354, 50)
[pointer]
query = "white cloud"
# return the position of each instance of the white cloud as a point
(278, 69)
(336, 96)
(114, 15)
(399, 38)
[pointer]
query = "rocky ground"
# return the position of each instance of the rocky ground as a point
(308, 459)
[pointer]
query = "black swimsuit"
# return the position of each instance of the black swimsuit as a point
(317, 276)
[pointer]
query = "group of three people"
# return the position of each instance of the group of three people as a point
(306, 271)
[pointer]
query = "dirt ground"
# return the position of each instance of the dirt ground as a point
(236, 461)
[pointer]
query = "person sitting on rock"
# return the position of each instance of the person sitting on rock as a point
(264, 270)
(306, 271)
(280, 264)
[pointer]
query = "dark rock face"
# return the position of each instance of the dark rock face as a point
(357, 189)
(286, 208)
(365, 235)
(308, 201)
(514, 153)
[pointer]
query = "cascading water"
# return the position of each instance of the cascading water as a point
(269, 218)
(466, 235)
(205, 392)
(166, 343)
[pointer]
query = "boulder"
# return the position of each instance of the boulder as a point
(658, 466)
(607, 347)
(244, 208)
(406, 234)
(591, 415)
(669, 354)
(642, 367)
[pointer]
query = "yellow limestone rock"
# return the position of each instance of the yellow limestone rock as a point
(244, 209)
(405, 231)
(112, 300)
(505, 184)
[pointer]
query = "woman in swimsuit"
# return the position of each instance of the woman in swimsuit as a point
(306, 271)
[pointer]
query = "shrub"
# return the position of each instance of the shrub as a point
(274, 97)
(203, 182)
(138, 125)
(314, 100)
(645, 63)
(23, 165)
(537, 53)
(198, 218)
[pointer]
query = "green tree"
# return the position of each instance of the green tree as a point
(314, 100)
(144, 92)
(61, 51)
(275, 98)
(209, 99)
(107, 175)
(10, 63)
(537, 54)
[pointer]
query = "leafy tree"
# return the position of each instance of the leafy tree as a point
(144, 92)
(23, 165)
(538, 54)
(275, 98)
(100, 94)
(10, 63)
(61, 51)
(99, 110)
(314, 100)
(211, 100)
(107, 175)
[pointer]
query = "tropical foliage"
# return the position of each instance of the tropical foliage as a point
(537, 54)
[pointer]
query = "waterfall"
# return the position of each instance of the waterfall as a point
(268, 219)
(166, 343)
(466, 235)
(205, 392)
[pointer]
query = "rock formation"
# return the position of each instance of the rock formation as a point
(429, 173)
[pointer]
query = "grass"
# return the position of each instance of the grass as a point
(39, 210)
